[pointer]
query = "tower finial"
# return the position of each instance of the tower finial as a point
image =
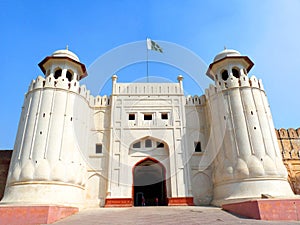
(67, 47)
(225, 47)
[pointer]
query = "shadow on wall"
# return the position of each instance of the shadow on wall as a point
(5, 156)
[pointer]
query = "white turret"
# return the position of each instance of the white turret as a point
(47, 166)
(65, 64)
(248, 162)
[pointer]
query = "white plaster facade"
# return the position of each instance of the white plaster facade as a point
(145, 133)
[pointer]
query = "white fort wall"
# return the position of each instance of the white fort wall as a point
(152, 99)
(198, 130)
(96, 187)
(55, 159)
(61, 124)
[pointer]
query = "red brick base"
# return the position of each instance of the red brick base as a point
(266, 209)
(180, 201)
(118, 202)
(128, 202)
(18, 215)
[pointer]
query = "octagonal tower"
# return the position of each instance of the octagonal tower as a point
(248, 161)
(47, 166)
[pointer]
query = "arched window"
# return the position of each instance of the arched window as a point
(136, 145)
(69, 75)
(148, 143)
(224, 75)
(160, 145)
(57, 73)
(235, 72)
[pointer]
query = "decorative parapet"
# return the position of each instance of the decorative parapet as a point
(243, 81)
(70, 86)
(289, 143)
(147, 89)
(195, 100)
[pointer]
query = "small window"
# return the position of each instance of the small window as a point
(164, 116)
(225, 75)
(160, 145)
(148, 143)
(147, 116)
(98, 148)
(137, 145)
(131, 117)
(197, 145)
(235, 73)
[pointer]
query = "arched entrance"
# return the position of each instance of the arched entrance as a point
(149, 183)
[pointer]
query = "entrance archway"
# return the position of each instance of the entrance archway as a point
(149, 183)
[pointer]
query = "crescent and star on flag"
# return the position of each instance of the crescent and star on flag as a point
(152, 45)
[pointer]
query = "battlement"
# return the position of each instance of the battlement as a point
(147, 89)
(99, 101)
(290, 133)
(243, 81)
(195, 100)
(72, 86)
(233, 82)
(289, 142)
(211, 90)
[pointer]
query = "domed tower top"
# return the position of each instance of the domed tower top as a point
(227, 60)
(66, 53)
(226, 53)
(63, 63)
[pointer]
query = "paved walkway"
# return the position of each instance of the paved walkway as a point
(159, 215)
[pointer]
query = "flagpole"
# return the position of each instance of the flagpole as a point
(147, 63)
(151, 45)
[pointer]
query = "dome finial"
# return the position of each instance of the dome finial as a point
(67, 47)
(225, 47)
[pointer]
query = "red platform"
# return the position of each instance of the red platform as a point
(29, 215)
(180, 201)
(266, 209)
(118, 202)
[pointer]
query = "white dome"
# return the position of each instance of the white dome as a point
(226, 53)
(65, 53)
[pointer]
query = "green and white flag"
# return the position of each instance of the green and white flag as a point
(152, 45)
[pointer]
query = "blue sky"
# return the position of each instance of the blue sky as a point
(267, 31)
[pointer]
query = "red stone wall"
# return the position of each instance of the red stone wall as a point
(5, 156)
(289, 144)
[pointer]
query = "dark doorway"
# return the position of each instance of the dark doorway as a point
(149, 183)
